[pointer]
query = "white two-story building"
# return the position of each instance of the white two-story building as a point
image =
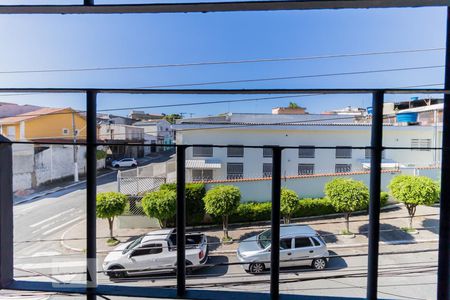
(307, 131)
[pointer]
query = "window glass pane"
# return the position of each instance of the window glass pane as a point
(306, 152)
(343, 152)
(235, 170)
(267, 170)
(305, 169)
(202, 151)
(302, 242)
(343, 168)
(267, 152)
(315, 241)
(237, 151)
(285, 244)
(421, 144)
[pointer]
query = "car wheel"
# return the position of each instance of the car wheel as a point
(133, 165)
(114, 272)
(319, 263)
(256, 268)
(188, 270)
(116, 166)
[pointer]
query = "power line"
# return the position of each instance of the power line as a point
(293, 77)
(227, 62)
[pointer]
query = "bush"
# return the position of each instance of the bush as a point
(347, 195)
(222, 201)
(289, 204)
(160, 205)
(384, 198)
(110, 205)
(414, 191)
(195, 207)
(100, 154)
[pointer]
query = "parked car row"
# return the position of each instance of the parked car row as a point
(155, 252)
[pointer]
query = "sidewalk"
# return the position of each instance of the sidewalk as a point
(46, 189)
(426, 223)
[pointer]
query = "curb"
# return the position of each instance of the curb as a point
(56, 189)
(63, 243)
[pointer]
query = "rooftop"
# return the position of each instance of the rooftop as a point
(31, 115)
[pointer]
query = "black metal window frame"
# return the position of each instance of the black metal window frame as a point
(231, 173)
(91, 289)
(342, 168)
(267, 169)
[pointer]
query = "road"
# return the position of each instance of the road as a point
(39, 225)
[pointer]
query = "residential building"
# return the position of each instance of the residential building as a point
(45, 124)
(121, 134)
(140, 115)
(113, 119)
(161, 129)
(308, 131)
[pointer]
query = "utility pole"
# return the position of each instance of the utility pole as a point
(75, 150)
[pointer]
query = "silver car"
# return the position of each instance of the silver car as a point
(300, 245)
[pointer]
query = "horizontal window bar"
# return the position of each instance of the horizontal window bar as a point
(214, 6)
(225, 91)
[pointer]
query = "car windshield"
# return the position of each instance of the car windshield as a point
(133, 244)
(264, 239)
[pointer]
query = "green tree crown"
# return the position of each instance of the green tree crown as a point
(222, 200)
(110, 204)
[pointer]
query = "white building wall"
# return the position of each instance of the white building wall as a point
(325, 136)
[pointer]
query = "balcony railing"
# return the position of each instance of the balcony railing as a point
(91, 289)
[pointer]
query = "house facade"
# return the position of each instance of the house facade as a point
(44, 124)
(120, 134)
(160, 129)
(307, 131)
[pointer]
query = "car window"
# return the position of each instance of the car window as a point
(147, 249)
(133, 244)
(285, 244)
(302, 242)
(264, 239)
(315, 241)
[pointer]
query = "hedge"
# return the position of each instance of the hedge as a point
(195, 207)
(261, 211)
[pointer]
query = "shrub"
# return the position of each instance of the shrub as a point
(222, 201)
(110, 205)
(414, 191)
(384, 198)
(160, 205)
(195, 207)
(101, 154)
(289, 204)
(347, 195)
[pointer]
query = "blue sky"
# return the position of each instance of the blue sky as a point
(77, 41)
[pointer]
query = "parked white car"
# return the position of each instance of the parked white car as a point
(124, 162)
(155, 252)
(300, 245)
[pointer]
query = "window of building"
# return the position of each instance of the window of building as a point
(343, 168)
(202, 175)
(202, 151)
(306, 152)
(368, 154)
(302, 242)
(305, 169)
(235, 151)
(421, 144)
(65, 131)
(267, 152)
(235, 170)
(267, 170)
(343, 152)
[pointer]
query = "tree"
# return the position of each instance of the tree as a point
(222, 201)
(347, 195)
(172, 117)
(160, 205)
(110, 205)
(289, 204)
(293, 105)
(414, 191)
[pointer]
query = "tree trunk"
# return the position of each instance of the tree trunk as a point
(225, 227)
(287, 220)
(411, 211)
(111, 222)
(347, 222)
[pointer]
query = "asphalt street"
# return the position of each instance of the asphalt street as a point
(39, 255)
